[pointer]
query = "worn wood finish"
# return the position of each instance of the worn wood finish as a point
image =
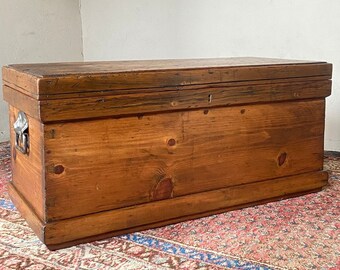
(181, 207)
(211, 86)
(53, 79)
(99, 67)
(68, 109)
(28, 171)
(157, 101)
(25, 209)
(65, 233)
(176, 220)
(19, 100)
(185, 147)
(117, 147)
(133, 80)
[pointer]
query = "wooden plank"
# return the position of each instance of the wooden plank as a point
(172, 221)
(51, 79)
(26, 211)
(151, 102)
(112, 163)
(28, 170)
(99, 67)
(26, 103)
(210, 86)
(20, 81)
(118, 105)
(179, 209)
(151, 79)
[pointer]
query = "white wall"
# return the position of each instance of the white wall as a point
(37, 31)
(49, 31)
(151, 29)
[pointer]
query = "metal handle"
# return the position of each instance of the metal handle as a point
(21, 133)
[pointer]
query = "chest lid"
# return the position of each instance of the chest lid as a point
(69, 91)
(44, 81)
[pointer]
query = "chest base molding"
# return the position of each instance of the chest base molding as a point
(68, 232)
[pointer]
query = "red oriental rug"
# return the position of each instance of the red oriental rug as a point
(298, 233)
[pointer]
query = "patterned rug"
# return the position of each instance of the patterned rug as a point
(299, 233)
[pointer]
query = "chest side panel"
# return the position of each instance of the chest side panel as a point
(98, 165)
(28, 169)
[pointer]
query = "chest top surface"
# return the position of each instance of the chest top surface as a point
(108, 67)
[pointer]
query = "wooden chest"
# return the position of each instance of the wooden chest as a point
(106, 148)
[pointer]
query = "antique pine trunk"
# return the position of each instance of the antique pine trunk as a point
(106, 148)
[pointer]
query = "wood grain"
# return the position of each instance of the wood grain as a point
(122, 146)
(26, 211)
(175, 220)
(183, 207)
(111, 163)
(26, 103)
(157, 79)
(97, 67)
(159, 101)
(86, 77)
(132, 104)
(28, 171)
(211, 86)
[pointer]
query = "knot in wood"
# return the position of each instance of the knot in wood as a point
(171, 142)
(282, 158)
